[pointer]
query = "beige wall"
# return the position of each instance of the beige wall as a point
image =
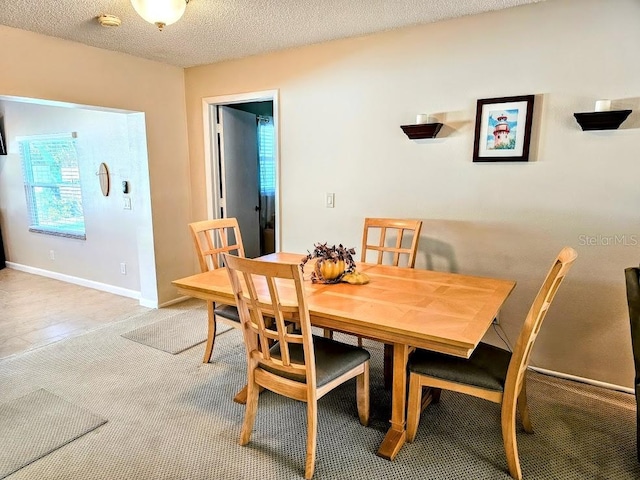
(101, 137)
(42, 67)
(341, 107)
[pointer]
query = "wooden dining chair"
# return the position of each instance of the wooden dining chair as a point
(632, 275)
(212, 239)
(377, 233)
(378, 244)
(298, 365)
(490, 373)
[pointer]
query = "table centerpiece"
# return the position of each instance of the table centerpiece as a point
(333, 264)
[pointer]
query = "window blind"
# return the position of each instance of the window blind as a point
(266, 156)
(52, 185)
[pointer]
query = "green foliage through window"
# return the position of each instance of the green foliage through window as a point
(52, 185)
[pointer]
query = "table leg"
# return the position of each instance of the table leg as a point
(388, 366)
(397, 434)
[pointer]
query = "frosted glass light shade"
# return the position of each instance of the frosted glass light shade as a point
(160, 12)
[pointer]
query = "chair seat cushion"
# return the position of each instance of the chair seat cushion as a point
(487, 367)
(332, 359)
(227, 311)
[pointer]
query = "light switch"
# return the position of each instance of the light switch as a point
(330, 200)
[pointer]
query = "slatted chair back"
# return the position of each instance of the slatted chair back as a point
(632, 278)
(529, 331)
(213, 238)
(269, 297)
(405, 247)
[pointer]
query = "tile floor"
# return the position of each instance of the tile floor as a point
(36, 310)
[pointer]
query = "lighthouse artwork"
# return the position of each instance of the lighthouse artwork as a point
(503, 128)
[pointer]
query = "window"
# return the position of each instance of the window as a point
(52, 185)
(265, 153)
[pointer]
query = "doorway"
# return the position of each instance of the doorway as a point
(241, 166)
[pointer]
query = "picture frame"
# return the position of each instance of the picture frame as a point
(503, 129)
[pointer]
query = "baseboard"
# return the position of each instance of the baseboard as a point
(83, 282)
(174, 301)
(145, 302)
(588, 381)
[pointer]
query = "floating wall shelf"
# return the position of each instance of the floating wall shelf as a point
(421, 130)
(610, 120)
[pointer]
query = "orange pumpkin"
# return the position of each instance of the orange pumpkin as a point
(330, 270)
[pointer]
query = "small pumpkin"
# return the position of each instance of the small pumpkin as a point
(356, 278)
(330, 269)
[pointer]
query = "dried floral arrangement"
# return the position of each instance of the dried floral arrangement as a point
(323, 253)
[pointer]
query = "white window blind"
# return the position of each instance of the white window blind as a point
(52, 185)
(266, 156)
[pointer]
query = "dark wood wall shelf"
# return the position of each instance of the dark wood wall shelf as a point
(610, 120)
(421, 130)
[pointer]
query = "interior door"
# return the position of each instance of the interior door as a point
(239, 164)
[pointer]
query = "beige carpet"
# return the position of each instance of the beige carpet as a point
(37, 424)
(170, 417)
(176, 333)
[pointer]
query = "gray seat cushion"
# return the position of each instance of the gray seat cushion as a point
(227, 311)
(332, 359)
(487, 367)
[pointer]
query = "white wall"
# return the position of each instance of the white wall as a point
(110, 230)
(341, 107)
(41, 67)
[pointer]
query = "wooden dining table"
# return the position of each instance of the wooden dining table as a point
(404, 307)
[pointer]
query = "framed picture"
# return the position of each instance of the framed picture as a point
(503, 129)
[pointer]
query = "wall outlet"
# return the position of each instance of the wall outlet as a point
(52, 255)
(496, 320)
(123, 268)
(127, 203)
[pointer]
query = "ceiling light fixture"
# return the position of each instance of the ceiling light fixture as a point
(160, 12)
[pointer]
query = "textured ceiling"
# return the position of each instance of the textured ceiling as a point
(215, 30)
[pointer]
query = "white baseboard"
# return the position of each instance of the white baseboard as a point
(588, 381)
(145, 302)
(83, 282)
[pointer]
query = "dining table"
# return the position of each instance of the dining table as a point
(405, 307)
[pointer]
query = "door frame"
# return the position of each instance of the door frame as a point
(211, 148)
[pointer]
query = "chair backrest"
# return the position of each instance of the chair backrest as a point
(274, 291)
(410, 228)
(213, 238)
(633, 300)
(529, 332)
